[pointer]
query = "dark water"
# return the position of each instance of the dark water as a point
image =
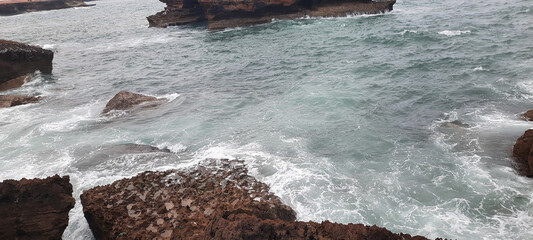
(404, 120)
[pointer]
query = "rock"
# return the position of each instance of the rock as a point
(528, 116)
(36, 208)
(523, 154)
(214, 200)
(224, 14)
(128, 100)
(13, 83)
(15, 100)
(18, 59)
(178, 12)
(13, 7)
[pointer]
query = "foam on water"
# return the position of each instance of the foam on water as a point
(451, 33)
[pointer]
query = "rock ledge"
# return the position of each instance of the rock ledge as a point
(214, 200)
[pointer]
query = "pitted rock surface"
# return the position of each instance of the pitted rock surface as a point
(35, 208)
(215, 200)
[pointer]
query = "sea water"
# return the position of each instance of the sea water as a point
(405, 120)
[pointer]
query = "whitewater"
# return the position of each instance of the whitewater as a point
(404, 120)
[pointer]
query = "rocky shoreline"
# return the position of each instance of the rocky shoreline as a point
(225, 14)
(15, 7)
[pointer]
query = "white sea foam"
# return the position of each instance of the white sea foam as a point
(173, 147)
(480, 68)
(451, 33)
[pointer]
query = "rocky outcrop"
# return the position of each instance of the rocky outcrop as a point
(15, 100)
(13, 7)
(127, 101)
(528, 116)
(36, 208)
(18, 59)
(523, 153)
(224, 14)
(214, 200)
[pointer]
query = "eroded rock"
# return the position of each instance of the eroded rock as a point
(15, 100)
(127, 100)
(528, 116)
(523, 153)
(35, 208)
(13, 7)
(224, 14)
(18, 59)
(214, 200)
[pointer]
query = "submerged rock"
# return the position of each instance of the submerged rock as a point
(15, 100)
(224, 14)
(18, 59)
(13, 7)
(523, 154)
(127, 100)
(214, 200)
(36, 208)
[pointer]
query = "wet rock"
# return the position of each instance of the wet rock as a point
(13, 7)
(15, 100)
(177, 12)
(242, 226)
(18, 59)
(127, 100)
(36, 208)
(224, 14)
(523, 154)
(215, 200)
(528, 116)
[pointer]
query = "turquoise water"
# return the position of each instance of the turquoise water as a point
(405, 120)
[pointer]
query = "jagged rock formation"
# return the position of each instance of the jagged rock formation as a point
(528, 116)
(13, 7)
(15, 100)
(36, 208)
(224, 14)
(127, 100)
(214, 200)
(523, 154)
(18, 59)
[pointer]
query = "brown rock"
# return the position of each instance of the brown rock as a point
(224, 14)
(215, 200)
(523, 154)
(36, 208)
(177, 12)
(13, 83)
(127, 100)
(15, 100)
(18, 59)
(13, 7)
(528, 116)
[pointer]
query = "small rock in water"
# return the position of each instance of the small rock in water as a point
(127, 100)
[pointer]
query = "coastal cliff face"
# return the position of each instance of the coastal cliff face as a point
(18, 7)
(35, 208)
(214, 200)
(224, 14)
(18, 59)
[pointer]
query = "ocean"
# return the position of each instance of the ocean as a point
(405, 120)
